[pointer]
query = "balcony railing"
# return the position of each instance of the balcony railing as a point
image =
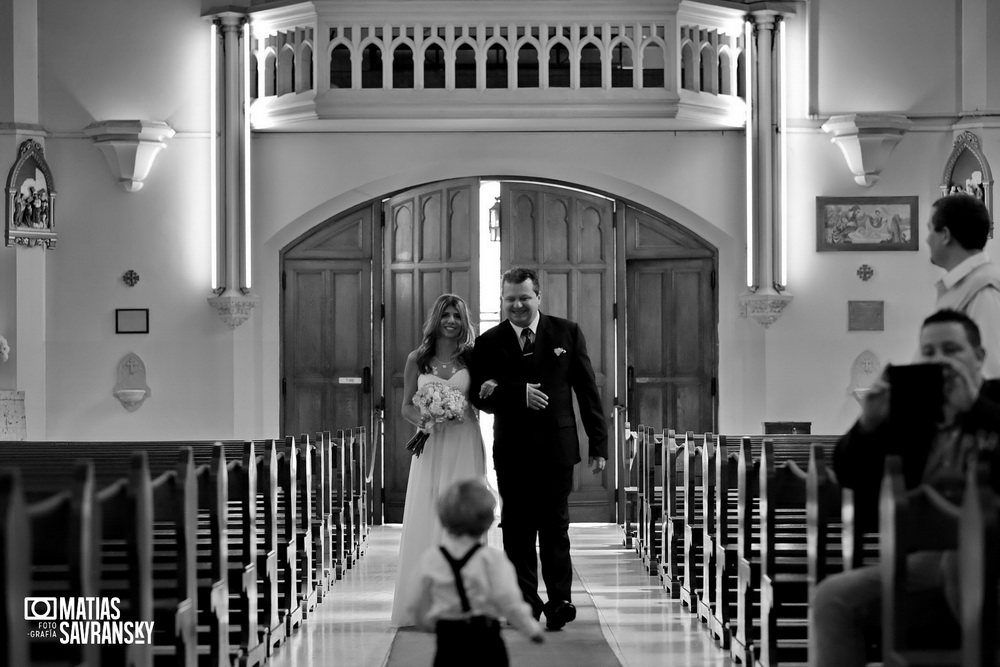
(546, 64)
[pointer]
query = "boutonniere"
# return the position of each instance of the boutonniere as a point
(559, 351)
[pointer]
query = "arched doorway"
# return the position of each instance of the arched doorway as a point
(356, 290)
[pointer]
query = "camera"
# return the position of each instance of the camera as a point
(917, 397)
(40, 609)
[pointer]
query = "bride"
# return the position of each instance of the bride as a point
(454, 449)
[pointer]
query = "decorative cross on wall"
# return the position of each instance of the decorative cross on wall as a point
(865, 272)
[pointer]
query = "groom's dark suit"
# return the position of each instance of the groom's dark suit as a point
(534, 451)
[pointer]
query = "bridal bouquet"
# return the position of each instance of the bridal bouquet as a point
(437, 403)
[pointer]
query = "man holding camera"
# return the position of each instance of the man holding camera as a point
(845, 614)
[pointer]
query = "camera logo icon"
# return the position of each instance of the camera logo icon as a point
(40, 609)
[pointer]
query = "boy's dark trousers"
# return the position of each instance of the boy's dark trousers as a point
(475, 641)
(469, 641)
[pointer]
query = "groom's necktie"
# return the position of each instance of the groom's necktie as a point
(527, 342)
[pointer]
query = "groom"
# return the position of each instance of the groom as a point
(525, 371)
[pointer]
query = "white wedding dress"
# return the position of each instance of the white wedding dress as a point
(453, 451)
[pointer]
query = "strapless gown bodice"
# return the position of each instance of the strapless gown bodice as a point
(453, 451)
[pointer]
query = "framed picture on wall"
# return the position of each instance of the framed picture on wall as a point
(131, 320)
(866, 223)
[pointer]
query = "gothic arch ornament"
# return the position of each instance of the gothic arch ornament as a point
(967, 170)
(31, 195)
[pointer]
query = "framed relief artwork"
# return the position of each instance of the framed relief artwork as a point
(866, 223)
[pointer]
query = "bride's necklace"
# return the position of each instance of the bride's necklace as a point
(443, 366)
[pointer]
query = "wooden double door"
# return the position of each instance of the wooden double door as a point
(356, 292)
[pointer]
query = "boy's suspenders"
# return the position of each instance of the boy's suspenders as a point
(456, 567)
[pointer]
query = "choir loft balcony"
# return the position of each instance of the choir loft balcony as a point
(378, 65)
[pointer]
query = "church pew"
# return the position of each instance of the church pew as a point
(69, 566)
(320, 516)
(979, 572)
(745, 638)
(626, 489)
(297, 534)
(252, 604)
(639, 467)
(722, 542)
(361, 487)
(671, 482)
(15, 560)
(338, 505)
(696, 492)
(648, 502)
(285, 538)
(143, 533)
(917, 520)
(784, 579)
(706, 529)
(213, 489)
(352, 533)
(747, 552)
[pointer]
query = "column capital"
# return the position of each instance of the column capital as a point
(767, 12)
(229, 18)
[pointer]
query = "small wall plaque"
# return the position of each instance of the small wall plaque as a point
(866, 315)
(132, 320)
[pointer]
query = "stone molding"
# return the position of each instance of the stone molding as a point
(867, 141)
(130, 147)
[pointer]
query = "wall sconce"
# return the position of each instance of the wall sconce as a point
(495, 221)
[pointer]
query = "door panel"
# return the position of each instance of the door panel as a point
(671, 343)
(327, 344)
(568, 238)
(431, 247)
(329, 335)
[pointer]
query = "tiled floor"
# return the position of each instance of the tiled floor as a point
(641, 624)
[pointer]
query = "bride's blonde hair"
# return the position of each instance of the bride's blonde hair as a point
(466, 338)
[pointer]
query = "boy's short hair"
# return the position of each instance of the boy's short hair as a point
(466, 508)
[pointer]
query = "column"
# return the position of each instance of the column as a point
(233, 298)
(24, 323)
(766, 297)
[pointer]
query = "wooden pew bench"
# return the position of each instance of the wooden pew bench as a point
(648, 501)
(246, 480)
(697, 506)
(129, 537)
(923, 520)
(745, 629)
(628, 489)
(670, 482)
(292, 566)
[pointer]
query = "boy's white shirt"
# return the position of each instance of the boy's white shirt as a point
(490, 584)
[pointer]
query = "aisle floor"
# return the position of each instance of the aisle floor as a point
(642, 625)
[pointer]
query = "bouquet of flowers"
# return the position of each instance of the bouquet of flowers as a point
(437, 403)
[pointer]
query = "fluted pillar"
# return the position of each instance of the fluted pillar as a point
(233, 300)
(766, 296)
